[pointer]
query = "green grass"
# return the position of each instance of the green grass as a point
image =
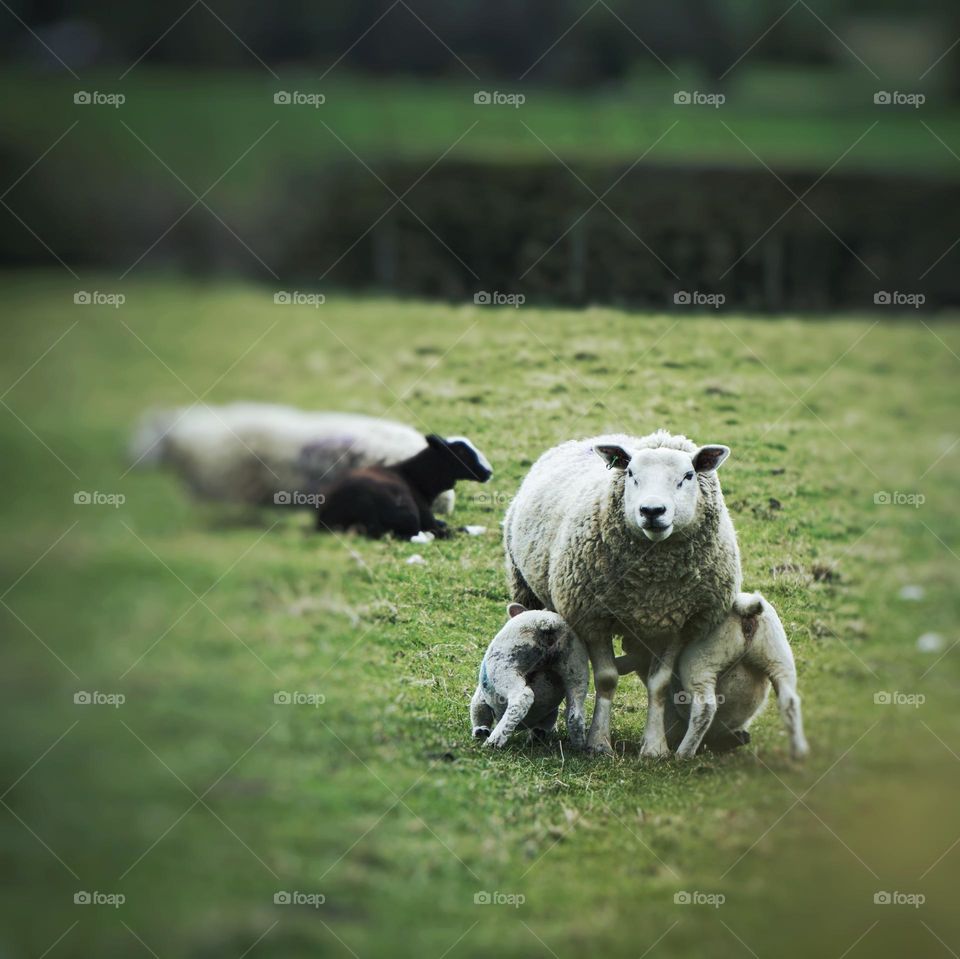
(810, 120)
(378, 799)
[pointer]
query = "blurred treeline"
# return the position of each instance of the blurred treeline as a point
(599, 42)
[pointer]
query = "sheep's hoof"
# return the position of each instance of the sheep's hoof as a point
(600, 749)
(655, 751)
(481, 732)
(495, 742)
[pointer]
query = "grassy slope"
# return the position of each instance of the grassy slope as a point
(378, 799)
(789, 120)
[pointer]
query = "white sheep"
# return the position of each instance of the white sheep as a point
(626, 535)
(263, 453)
(722, 681)
(533, 664)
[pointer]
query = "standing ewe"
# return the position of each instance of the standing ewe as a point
(397, 499)
(626, 535)
(263, 453)
(722, 682)
(533, 664)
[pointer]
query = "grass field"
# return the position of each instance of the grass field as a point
(200, 798)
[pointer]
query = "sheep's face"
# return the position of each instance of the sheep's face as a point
(466, 462)
(661, 490)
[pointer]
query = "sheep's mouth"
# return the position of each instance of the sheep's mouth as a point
(656, 531)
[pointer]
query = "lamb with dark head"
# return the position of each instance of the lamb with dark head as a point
(397, 499)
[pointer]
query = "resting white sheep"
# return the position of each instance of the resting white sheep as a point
(533, 664)
(254, 452)
(626, 535)
(723, 680)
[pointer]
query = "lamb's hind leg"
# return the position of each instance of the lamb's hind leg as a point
(481, 715)
(654, 745)
(789, 702)
(770, 652)
(703, 708)
(783, 675)
(519, 702)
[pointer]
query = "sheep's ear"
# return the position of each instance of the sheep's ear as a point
(709, 458)
(515, 609)
(616, 457)
(435, 441)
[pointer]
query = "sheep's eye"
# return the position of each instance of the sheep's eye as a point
(686, 476)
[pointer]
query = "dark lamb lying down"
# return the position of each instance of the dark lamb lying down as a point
(397, 499)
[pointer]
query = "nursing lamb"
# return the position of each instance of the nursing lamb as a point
(723, 680)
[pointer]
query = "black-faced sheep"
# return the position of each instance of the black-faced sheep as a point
(397, 499)
(533, 664)
(263, 453)
(626, 536)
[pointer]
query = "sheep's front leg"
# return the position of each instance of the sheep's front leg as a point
(654, 745)
(576, 724)
(605, 682)
(519, 702)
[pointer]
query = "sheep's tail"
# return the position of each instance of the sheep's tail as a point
(748, 604)
(148, 445)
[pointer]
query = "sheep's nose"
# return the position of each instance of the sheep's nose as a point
(653, 512)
